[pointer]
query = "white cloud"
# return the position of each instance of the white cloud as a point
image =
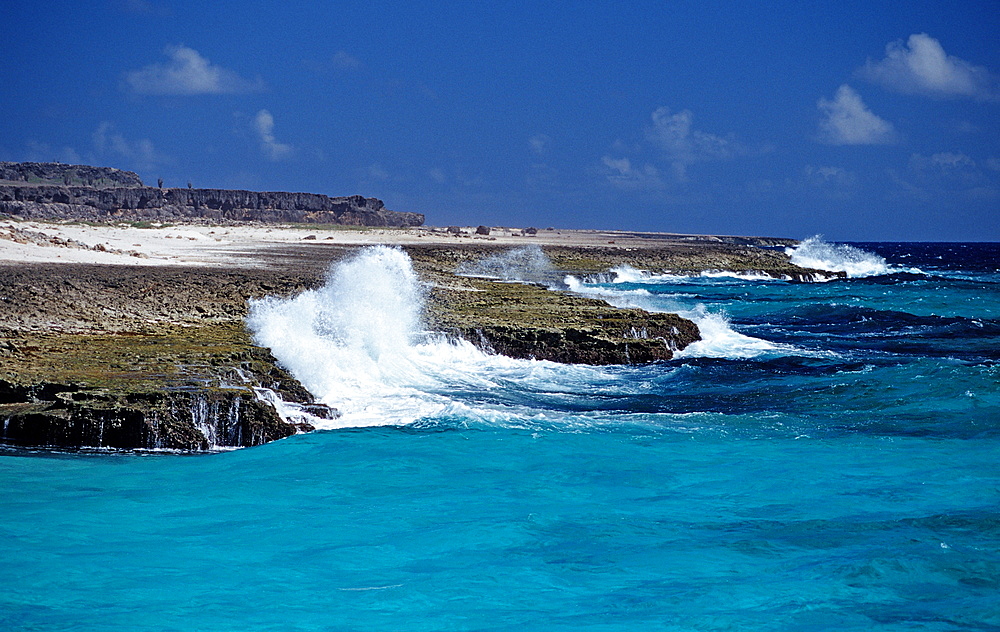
(43, 152)
(377, 172)
(922, 67)
(141, 154)
(847, 121)
(539, 143)
(953, 174)
(621, 174)
(344, 61)
(143, 7)
(264, 124)
(831, 182)
(188, 73)
(828, 175)
(682, 145)
(946, 161)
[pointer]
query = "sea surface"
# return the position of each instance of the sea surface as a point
(828, 458)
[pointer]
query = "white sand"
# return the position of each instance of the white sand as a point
(230, 245)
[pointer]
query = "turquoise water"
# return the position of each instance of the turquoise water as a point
(829, 459)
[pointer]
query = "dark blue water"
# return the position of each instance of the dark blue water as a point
(829, 458)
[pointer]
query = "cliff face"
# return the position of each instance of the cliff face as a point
(58, 173)
(33, 191)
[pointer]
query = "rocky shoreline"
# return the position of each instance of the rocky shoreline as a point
(139, 342)
(133, 357)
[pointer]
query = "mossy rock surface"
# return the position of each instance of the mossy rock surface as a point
(145, 357)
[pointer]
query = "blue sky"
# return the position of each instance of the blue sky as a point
(855, 120)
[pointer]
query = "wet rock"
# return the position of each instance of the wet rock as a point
(60, 415)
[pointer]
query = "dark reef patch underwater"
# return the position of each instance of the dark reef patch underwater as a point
(825, 458)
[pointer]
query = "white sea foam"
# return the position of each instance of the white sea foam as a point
(628, 274)
(820, 255)
(718, 338)
(357, 344)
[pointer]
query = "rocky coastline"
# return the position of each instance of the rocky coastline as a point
(135, 356)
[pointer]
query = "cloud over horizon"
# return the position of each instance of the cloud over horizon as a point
(622, 175)
(140, 154)
(682, 145)
(263, 123)
(188, 73)
(848, 121)
(921, 66)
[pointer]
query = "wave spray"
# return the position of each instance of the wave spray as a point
(357, 343)
(820, 255)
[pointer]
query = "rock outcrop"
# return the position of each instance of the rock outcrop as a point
(141, 358)
(58, 173)
(529, 320)
(75, 416)
(532, 322)
(29, 191)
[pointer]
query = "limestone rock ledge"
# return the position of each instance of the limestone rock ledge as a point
(139, 358)
(74, 416)
(80, 192)
(532, 322)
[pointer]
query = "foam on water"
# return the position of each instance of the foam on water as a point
(357, 344)
(718, 338)
(628, 274)
(820, 255)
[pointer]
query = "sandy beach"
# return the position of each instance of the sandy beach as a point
(202, 244)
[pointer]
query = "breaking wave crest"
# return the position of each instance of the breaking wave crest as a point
(628, 274)
(718, 338)
(857, 263)
(358, 345)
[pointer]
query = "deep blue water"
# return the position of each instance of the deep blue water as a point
(828, 459)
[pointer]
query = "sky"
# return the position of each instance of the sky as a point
(858, 121)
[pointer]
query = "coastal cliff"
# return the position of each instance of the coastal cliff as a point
(80, 192)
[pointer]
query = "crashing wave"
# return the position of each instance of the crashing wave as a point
(718, 338)
(628, 274)
(358, 345)
(857, 263)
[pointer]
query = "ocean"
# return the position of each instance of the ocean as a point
(828, 457)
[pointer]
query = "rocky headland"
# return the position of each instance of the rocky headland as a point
(83, 193)
(136, 356)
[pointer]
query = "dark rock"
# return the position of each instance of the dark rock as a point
(529, 321)
(125, 199)
(140, 358)
(483, 230)
(68, 416)
(62, 174)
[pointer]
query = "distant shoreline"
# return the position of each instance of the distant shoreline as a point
(170, 243)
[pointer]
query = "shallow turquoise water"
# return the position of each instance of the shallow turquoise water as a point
(846, 477)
